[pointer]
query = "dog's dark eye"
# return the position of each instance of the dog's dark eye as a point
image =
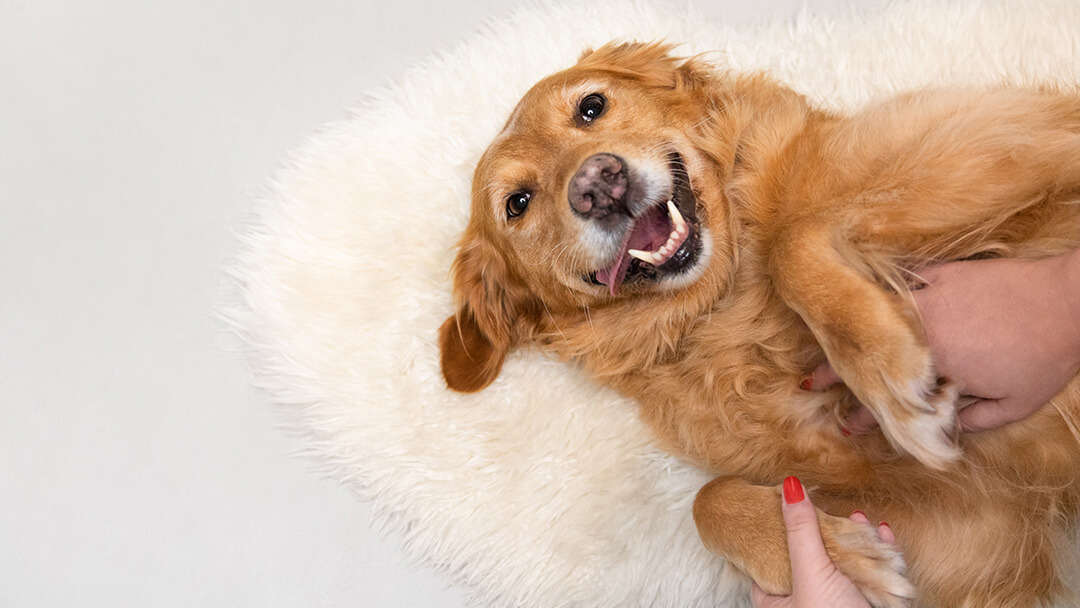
(516, 203)
(592, 107)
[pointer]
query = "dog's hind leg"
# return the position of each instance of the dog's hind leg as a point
(743, 523)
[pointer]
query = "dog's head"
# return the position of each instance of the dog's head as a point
(595, 196)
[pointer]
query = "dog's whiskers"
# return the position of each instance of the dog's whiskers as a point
(554, 323)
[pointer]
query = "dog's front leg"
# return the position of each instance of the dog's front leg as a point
(744, 524)
(875, 345)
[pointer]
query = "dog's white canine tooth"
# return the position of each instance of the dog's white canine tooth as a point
(676, 217)
(644, 256)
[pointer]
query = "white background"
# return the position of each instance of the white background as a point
(136, 466)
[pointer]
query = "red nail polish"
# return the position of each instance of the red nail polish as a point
(807, 383)
(859, 512)
(884, 523)
(845, 432)
(793, 491)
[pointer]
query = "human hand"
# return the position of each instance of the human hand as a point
(816, 582)
(1006, 331)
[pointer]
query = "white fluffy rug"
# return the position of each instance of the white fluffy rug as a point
(544, 489)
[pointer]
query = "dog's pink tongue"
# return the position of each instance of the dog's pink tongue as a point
(614, 276)
(648, 233)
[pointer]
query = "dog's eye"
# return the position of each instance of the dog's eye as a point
(516, 203)
(592, 107)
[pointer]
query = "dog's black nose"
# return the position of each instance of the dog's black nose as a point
(599, 186)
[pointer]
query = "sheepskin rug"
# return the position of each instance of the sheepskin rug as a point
(543, 490)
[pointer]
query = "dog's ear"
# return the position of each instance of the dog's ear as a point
(650, 62)
(469, 359)
(494, 312)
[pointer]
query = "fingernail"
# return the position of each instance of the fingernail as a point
(807, 383)
(884, 523)
(793, 491)
(858, 512)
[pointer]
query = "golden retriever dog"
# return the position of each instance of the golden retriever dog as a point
(700, 240)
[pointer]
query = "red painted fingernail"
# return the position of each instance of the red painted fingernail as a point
(845, 432)
(793, 492)
(884, 523)
(859, 512)
(807, 383)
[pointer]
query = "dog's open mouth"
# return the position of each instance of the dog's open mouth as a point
(663, 241)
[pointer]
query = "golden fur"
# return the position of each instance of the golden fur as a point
(810, 225)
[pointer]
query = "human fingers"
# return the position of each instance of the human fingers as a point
(860, 517)
(807, 551)
(822, 378)
(885, 533)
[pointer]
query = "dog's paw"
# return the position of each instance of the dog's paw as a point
(917, 412)
(920, 419)
(895, 378)
(876, 567)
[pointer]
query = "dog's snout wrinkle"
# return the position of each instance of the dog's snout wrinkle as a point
(600, 185)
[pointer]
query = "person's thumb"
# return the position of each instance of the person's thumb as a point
(808, 555)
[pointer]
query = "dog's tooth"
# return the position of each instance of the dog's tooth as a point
(644, 256)
(676, 217)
